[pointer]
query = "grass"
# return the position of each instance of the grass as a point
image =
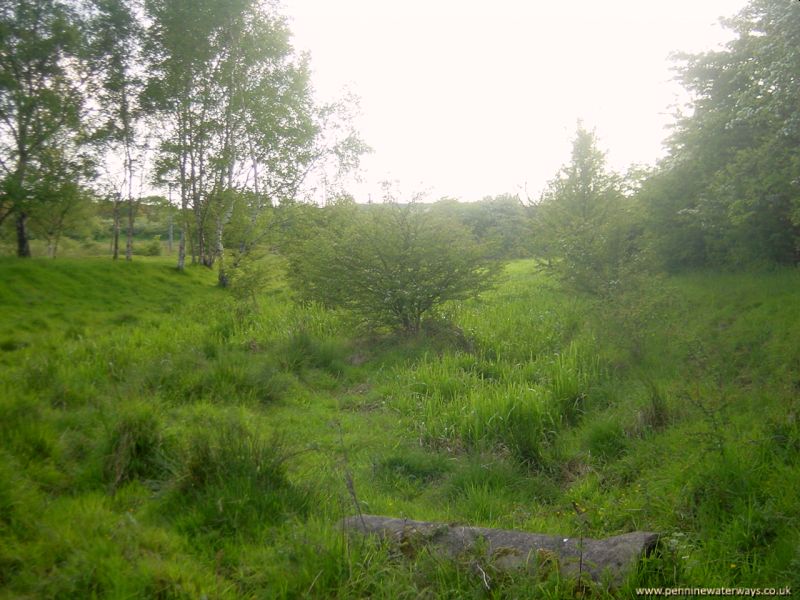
(162, 438)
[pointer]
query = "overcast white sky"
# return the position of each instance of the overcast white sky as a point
(469, 98)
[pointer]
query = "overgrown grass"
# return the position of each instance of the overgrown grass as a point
(161, 438)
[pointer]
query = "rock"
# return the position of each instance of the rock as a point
(613, 557)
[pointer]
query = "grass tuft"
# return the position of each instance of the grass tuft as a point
(137, 449)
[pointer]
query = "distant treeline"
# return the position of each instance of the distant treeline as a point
(227, 124)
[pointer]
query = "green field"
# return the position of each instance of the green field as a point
(161, 438)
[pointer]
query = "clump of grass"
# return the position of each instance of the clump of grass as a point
(234, 482)
(781, 436)
(410, 466)
(571, 376)
(137, 448)
(232, 376)
(303, 350)
(443, 333)
(439, 380)
(483, 470)
(606, 440)
(655, 415)
(12, 345)
(722, 485)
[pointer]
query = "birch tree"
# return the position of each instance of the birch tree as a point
(116, 44)
(41, 98)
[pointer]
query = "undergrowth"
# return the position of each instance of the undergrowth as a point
(161, 438)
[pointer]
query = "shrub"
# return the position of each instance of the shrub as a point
(153, 248)
(389, 264)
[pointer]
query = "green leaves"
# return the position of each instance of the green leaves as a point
(733, 163)
(390, 264)
(583, 229)
(40, 96)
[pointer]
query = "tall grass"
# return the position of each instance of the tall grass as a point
(159, 439)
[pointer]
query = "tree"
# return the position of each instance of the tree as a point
(501, 223)
(116, 43)
(59, 204)
(579, 230)
(389, 264)
(238, 111)
(40, 97)
(729, 191)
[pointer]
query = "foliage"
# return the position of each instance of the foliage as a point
(116, 37)
(218, 85)
(62, 208)
(153, 248)
(390, 264)
(240, 112)
(500, 223)
(227, 460)
(40, 98)
(727, 194)
(583, 227)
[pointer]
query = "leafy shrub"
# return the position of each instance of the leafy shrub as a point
(153, 248)
(389, 264)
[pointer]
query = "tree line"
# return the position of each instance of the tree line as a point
(107, 98)
(727, 194)
(208, 100)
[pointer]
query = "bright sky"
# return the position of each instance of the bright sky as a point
(468, 98)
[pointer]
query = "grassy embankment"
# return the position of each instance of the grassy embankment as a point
(159, 438)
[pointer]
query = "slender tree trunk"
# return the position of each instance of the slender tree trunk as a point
(184, 191)
(23, 245)
(198, 224)
(169, 234)
(182, 248)
(129, 233)
(220, 251)
(192, 248)
(115, 234)
(184, 221)
(54, 245)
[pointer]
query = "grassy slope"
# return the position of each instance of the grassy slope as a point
(159, 438)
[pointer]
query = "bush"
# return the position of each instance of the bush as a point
(153, 248)
(390, 264)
